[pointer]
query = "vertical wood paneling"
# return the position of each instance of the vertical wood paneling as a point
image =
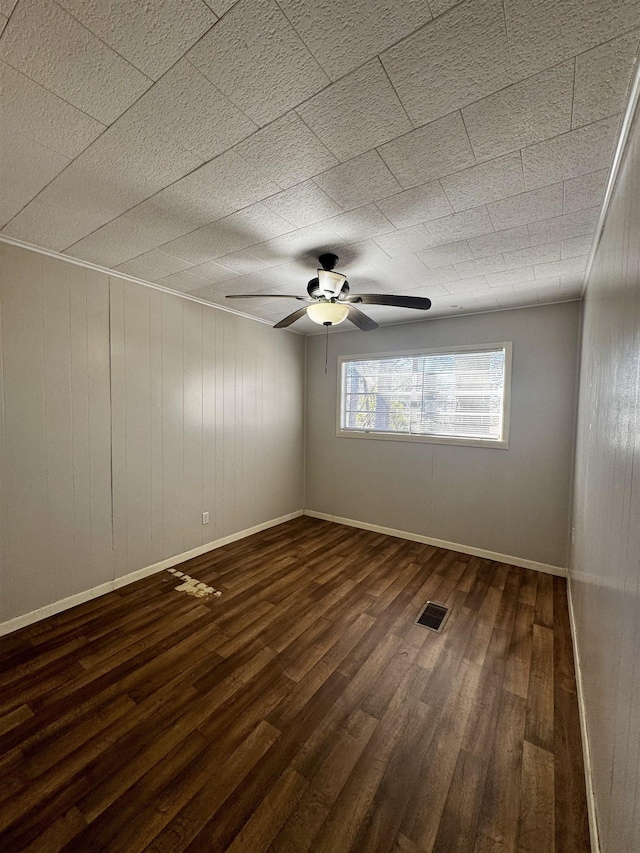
(155, 417)
(57, 510)
(27, 587)
(192, 489)
(59, 431)
(118, 424)
(80, 430)
(189, 432)
(209, 452)
(128, 413)
(172, 344)
(99, 413)
(605, 566)
(137, 421)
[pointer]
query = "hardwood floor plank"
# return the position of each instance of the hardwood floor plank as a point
(303, 710)
(313, 808)
(537, 795)
(539, 730)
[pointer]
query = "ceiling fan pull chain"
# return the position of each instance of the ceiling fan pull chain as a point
(326, 348)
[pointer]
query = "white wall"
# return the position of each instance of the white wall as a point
(113, 388)
(605, 564)
(513, 502)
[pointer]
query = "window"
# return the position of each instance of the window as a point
(458, 395)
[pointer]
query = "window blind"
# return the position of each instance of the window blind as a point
(450, 394)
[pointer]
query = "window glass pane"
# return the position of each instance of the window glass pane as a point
(455, 394)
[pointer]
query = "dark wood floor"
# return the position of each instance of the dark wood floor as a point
(302, 710)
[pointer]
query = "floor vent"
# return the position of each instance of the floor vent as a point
(433, 616)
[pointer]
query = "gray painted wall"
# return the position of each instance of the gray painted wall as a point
(187, 407)
(605, 564)
(514, 501)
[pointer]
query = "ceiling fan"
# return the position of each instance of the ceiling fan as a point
(331, 301)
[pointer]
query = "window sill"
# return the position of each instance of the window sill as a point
(425, 439)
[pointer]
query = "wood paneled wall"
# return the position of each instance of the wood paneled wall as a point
(605, 565)
(127, 413)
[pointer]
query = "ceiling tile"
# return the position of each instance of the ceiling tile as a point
(440, 6)
(490, 181)
(152, 265)
(216, 189)
(448, 253)
(575, 246)
(535, 255)
(245, 228)
(527, 207)
(292, 277)
(404, 242)
(311, 240)
(184, 282)
(7, 6)
(437, 149)
(73, 205)
(303, 204)
(360, 224)
(467, 285)
(396, 274)
(3, 23)
(156, 34)
(570, 266)
(585, 191)
(144, 227)
(562, 227)
(527, 112)
(575, 153)
(48, 45)
(480, 266)
(129, 158)
(35, 112)
(364, 253)
(25, 168)
(286, 151)
(359, 181)
(451, 62)
(220, 6)
(461, 226)
(510, 277)
(186, 108)
(430, 277)
(357, 113)
(542, 34)
(417, 205)
(602, 79)
(344, 35)
(243, 263)
(256, 58)
(507, 240)
(212, 272)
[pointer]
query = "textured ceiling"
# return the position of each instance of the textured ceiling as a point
(451, 150)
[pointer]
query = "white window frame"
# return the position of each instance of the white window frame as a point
(501, 443)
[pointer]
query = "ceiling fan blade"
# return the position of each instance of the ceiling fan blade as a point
(364, 323)
(287, 321)
(420, 302)
(267, 296)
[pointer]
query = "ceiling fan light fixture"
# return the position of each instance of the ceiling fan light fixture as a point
(327, 313)
(330, 283)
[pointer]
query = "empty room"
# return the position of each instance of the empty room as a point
(319, 432)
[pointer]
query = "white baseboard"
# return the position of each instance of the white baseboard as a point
(441, 543)
(586, 752)
(87, 595)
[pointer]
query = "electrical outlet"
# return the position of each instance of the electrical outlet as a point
(205, 518)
